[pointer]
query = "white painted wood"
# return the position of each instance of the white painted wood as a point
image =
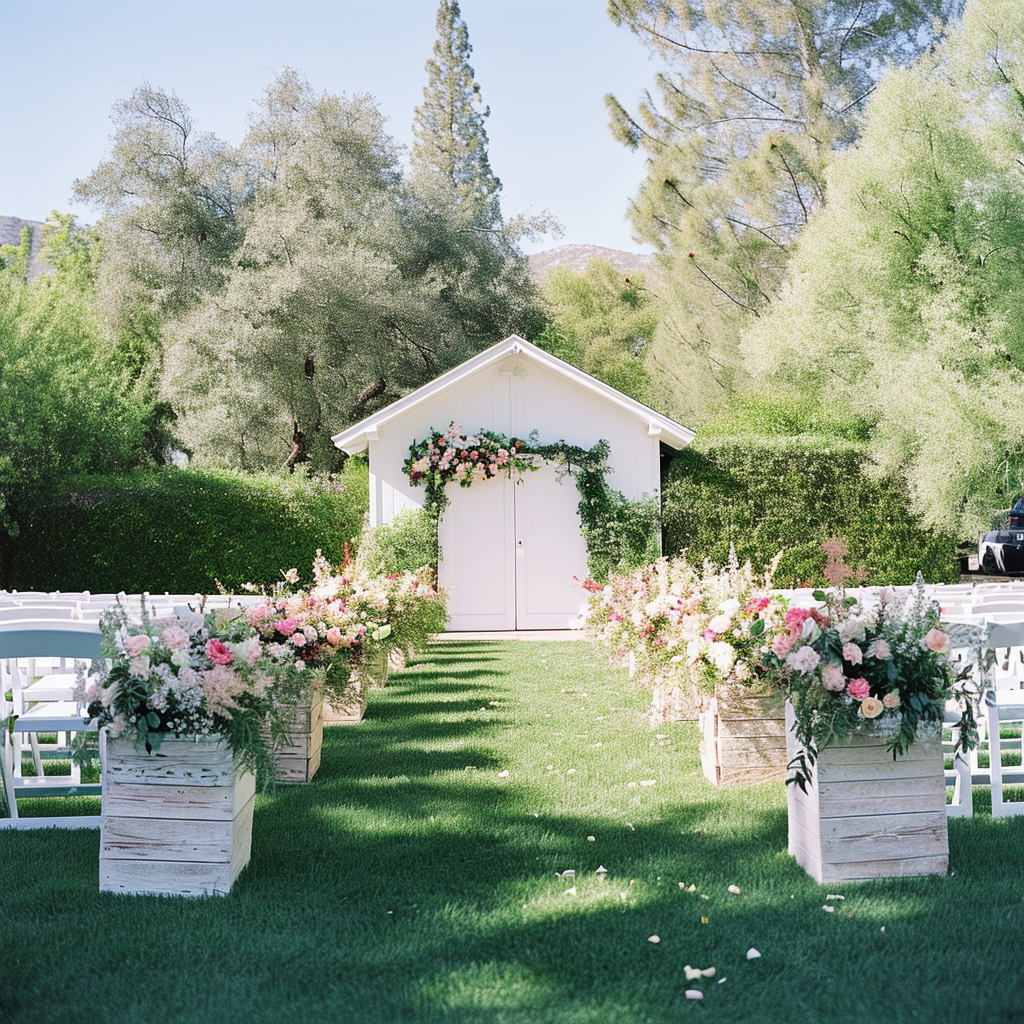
(550, 552)
(477, 556)
(178, 821)
(865, 815)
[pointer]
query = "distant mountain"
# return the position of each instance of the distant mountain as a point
(576, 258)
(10, 234)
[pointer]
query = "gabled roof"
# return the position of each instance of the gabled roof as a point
(355, 438)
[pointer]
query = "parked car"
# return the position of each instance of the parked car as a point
(1001, 550)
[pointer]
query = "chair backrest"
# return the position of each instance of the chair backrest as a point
(42, 638)
(56, 612)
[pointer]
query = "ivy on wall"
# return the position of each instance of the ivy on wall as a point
(620, 534)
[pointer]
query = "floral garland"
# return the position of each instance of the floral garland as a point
(617, 531)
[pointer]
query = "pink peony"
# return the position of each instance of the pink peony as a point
(805, 660)
(936, 640)
(781, 644)
(880, 649)
(175, 638)
(135, 645)
(287, 626)
(858, 689)
(832, 678)
(852, 654)
(218, 652)
(334, 636)
(297, 638)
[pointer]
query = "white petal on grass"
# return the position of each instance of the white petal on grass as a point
(570, 771)
(828, 909)
(647, 782)
(734, 889)
(752, 954)
(655, 939)
(591, 839)
(504, 775)
(693, 993)
(720, 980)
(692, 973)
(631, 785)
(830, 896)
(571, 892)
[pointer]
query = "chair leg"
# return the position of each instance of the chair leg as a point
(8, 774)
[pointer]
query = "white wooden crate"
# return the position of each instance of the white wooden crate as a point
(743, 738)
(177, 821)
(299, 760)
(865, 815)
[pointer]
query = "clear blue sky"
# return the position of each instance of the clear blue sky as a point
(544, 67)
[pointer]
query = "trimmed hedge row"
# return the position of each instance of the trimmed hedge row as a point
(182, 530)
(767, 495)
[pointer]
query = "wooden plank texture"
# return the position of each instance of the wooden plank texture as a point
(867, 816)
(741, 742)
(175, 822)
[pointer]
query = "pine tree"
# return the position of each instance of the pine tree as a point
(756, 97)
(450, 148)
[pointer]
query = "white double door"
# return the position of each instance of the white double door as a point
(510, 550)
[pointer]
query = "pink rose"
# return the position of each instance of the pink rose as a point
(217, 652)
(880, 650)
(287, 626)
(298, 638)
(891, 700)
(832, 678)
(852, 654)
(334, 636)
(781, 644)
(858, 689)
(936, 640)
(175, 638)
(135, 645)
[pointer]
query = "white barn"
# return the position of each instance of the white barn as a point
(510, 548)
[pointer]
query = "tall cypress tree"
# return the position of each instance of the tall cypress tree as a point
(450, 145)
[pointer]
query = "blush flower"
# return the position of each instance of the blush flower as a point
(871, 707)
(891, 700)
(852, 654)
(175, 638)
(781, 644)
(832, 678)
(858, 689)
(936, 640)
(334, 636)
(880, 649)
(805, 660)
(286, 626)
(135, 645)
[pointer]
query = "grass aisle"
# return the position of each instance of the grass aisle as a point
(415, 881)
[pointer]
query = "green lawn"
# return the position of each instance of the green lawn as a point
(411, 882)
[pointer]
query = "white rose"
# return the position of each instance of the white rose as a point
(720, 623)
(722, 656)
(179, 659)
(730, 606)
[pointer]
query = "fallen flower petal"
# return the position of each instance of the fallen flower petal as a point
(709, 972)
(692, 993)
(504, 774)
(655, 939)
(692, 973)
(734, 889)
(752, 954)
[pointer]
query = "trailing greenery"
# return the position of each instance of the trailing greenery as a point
(763, 495)
(410, 882)
(182, 531)
(620, 534)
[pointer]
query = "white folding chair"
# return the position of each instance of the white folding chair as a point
(1004, 704)
(44, 710)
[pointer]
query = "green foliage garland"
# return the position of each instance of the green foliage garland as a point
(620, 534)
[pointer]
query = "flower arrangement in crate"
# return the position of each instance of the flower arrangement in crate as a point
(190, 676)
(685, 626)
(846, 667)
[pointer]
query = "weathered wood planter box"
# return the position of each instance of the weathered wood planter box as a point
(299, 760)
(865, 815)
(671, 704)
(351, 709)
(743, 738)
(175, 822)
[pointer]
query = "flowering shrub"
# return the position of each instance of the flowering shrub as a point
(685, 626)
(844, 665)
(189, 676)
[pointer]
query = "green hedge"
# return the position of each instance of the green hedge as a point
(180, 530)
(766, 495)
